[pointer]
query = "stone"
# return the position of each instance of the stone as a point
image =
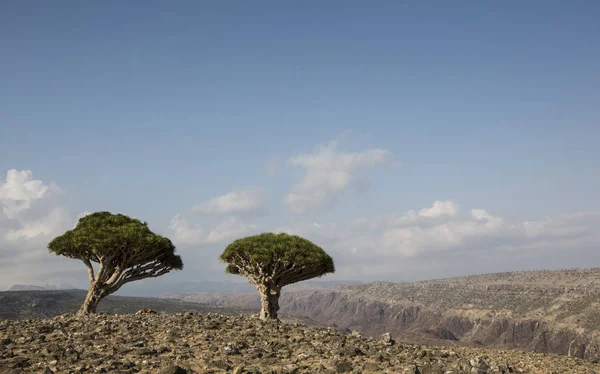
(343, 367)
(145, 311)
(231, 349)
(172, 369)
(387, 339)
(290, 369)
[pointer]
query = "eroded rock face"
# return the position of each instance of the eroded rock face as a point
(212, 343)
(414, 322)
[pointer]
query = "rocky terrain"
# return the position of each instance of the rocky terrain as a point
(39, 304)
(540, 311)
(196, 343)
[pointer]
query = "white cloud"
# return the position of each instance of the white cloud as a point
(329, 173)
(53, 222)
(31, 214)
(29, 208)
(248, 201)
(19, 191)
(237, 206)
(435, 241)
(186, 235)
(183, 233)
(440, 241)
(440, 208)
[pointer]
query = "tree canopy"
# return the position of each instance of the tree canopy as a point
(282, 258)
(124, 247)
(103, 234)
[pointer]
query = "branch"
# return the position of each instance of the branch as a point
(254, 272)
(90, 270)
(131, 258)
(299, 274)
(152, 269)
(115, 275)
(106, 269)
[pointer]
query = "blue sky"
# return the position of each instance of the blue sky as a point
(149, 108)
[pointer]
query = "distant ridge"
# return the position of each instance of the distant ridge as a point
(27, 304)
(47, 287)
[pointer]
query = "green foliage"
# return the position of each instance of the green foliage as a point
(127, 239)
(275, 254)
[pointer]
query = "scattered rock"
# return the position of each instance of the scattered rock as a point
(291, 369)
(387, 339)
(145, 311)
(172, 369)
(197, 343)
(231, 349)
(343, 367)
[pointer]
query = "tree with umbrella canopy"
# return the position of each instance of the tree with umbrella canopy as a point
(123, 247)
(271, 261)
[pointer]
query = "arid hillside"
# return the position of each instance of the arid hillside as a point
(41, 304)
(541, 311)
(188, 343)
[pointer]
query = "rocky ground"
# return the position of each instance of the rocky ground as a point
(213, 343)
(544, 311)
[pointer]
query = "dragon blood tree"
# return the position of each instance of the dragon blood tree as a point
(271, 261)
(123, 247)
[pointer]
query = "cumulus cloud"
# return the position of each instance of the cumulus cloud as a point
(248, 201)
(442, 241)
(186, 234)
(440, 208)
(19, 191)
(329, 173)
(234, 210)
(29, 207)
(31, 214)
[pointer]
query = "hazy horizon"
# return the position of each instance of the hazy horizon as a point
(411, 141)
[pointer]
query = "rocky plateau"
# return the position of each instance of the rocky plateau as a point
(163, 343)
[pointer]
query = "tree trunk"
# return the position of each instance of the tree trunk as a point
(91, 302)
(269, 302)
